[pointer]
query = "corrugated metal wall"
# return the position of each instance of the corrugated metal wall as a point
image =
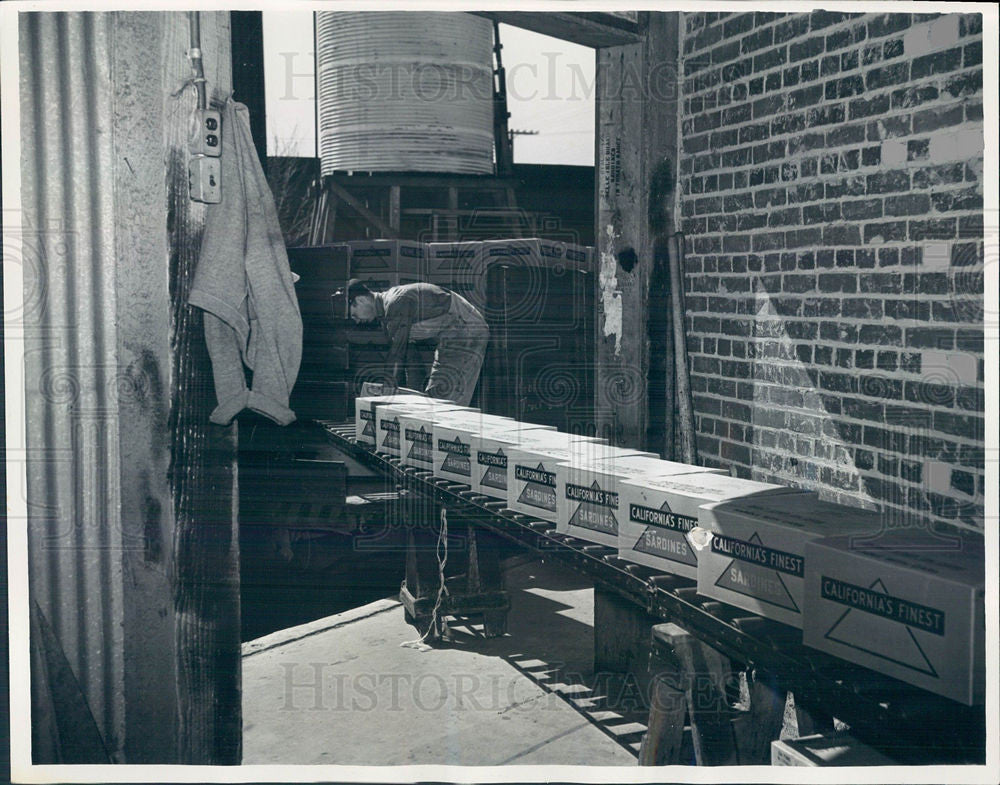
(132, 538)
(75, 532)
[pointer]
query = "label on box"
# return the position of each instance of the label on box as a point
(364, 412)
(457, 457)
(662, 511)
(596, 508)
(664, 535)
(539, 489)
(587, 499)
(533, 471)
(494, 469)
(490, 450)
(389, 440)
(419, 425)
(419, 446)
(756, 559)
(907, 612)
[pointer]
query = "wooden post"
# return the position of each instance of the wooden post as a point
(394, 208)
(701, 673)
(661, 746)
(636, 132)
(247, 36)
(205, 578)
(757, 728)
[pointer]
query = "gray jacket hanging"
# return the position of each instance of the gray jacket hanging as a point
(244, 285)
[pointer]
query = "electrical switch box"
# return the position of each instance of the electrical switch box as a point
(206, 133)
(205, 179)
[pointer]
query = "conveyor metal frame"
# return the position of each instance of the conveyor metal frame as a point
(887, 710)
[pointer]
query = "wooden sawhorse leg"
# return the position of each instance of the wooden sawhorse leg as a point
(691, 679)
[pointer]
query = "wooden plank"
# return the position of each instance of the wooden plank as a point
(247, 39)
(635, 140)
(757, 728)
(206, 587)
(661, 745)
(594, 29)
(348, 198)
(394, 208)
(703, 673)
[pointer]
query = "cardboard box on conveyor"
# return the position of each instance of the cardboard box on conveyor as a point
(387, 426)
(588, 492)
(662, 511)
(586, 510)
(418, 427)
(490, 449)
(453, 437)
(907, 602)
(532, 468)
(364, 412)
(821, 749)
(757, 556)
(382, 264)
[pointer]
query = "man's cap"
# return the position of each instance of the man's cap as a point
(341, 299)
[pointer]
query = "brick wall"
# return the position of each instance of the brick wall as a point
(831, 181)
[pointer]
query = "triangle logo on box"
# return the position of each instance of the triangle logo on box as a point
(369, 429)
(666, 544)
(421, 449)
(495, 475)
(755, 580)
(666, 538)
(895, 641)
(595, 509)
(539, 489)
(456, 464)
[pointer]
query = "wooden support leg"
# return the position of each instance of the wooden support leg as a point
(422, 580)
(757, 728)
(485, 577)
(621, 638)
(807, 721)
(661, 746)
(701, 673)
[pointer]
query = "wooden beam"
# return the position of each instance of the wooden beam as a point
(204, 563)
(348, 198)
(247, 32)
(636, 140)
(587, 28)
(394, 208)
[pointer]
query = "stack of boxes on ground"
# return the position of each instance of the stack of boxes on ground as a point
(322, 386)
(382, 264)
(538, 298)
(903, 601)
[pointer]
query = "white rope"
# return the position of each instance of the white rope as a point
(441, 552)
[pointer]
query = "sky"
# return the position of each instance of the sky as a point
(549, 87)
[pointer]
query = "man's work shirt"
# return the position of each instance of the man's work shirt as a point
(421, 311)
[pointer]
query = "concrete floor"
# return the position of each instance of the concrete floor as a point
(343, 691)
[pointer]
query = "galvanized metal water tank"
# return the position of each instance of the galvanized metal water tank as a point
(405, 91)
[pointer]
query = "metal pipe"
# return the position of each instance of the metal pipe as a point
(689, 449)
(194, 55)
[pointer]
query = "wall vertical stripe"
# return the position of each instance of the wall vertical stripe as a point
(74, 522)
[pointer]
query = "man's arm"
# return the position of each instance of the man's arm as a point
(399, 339)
